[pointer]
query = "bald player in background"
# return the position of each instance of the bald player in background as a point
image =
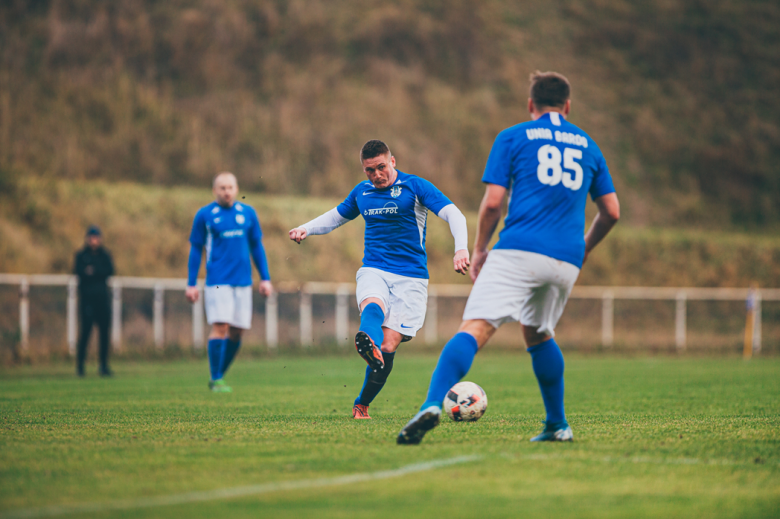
(230, 233)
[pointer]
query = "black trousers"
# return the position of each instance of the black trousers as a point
(91, 312)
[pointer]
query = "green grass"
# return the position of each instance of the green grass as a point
(654, 437)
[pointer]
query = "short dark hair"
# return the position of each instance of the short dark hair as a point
(373, 148)
(549, 90)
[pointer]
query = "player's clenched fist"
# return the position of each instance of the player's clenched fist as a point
(298, 234)
(192, 294)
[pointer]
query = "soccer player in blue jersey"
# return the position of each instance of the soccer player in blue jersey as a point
(392, 284)
(230, 233)
(550, 166)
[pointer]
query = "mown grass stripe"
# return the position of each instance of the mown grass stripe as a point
(645, 460)
(229, 493)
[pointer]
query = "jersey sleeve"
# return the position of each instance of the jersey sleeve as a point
(349, 208)
(255, 232)
(256, 248)
(498, 169)
(602, 180)
(198, 233)
(430, 196)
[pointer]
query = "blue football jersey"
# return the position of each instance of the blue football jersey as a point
(550, 166)
(396, 222)
(228, 235)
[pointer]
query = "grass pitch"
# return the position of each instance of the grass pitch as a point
(654, 437)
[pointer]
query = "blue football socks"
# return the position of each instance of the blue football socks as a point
(454, 362)
(215, 357)
(228, 354)
(375, 380)
(547, 361)
(371, 320)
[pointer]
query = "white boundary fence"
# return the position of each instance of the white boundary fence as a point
(342, 293)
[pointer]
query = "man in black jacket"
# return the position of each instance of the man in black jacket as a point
(93, 266)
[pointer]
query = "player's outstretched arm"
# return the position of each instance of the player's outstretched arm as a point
(323, 224)
(609, 214)
(459, 229)
(489, 215)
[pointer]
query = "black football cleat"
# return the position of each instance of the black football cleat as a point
(369, 351)
(424, 421)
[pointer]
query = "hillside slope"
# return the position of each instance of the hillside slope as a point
(680, 94)
(147, 229)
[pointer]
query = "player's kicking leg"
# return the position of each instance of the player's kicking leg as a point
(392, 311)
(454, 362)
(376, 378)
(371, 335)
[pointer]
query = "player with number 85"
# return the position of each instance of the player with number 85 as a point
(550, 166)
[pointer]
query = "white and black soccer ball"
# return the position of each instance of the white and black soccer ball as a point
(465, 402)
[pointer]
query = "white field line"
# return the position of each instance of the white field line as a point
(228, 493)
(251, 490)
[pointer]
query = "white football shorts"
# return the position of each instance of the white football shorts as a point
(516, 285)
(405, 299)
(228, 304)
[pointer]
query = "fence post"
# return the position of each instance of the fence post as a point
(158, 324)
(752, 325)
(680, 321)
(71, 319)
(272, 321)
(607, 318)
(342, 314)
(24, 313)
(197, 321)
(116, 314)
(305, 315)
(432, 317)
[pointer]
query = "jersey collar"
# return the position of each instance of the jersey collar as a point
(555, 118)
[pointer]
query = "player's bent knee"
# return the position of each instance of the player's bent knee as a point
(235, 333)
(480, 329)
(392, 340)
(533, 337)
(367, 301)
(219, 330)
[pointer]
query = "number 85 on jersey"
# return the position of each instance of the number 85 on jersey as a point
(550, 172)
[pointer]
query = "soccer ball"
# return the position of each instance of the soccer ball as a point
(465, 402)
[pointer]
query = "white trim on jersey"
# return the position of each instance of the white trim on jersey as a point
(421, 213)
(555, 118)
(209, 240)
